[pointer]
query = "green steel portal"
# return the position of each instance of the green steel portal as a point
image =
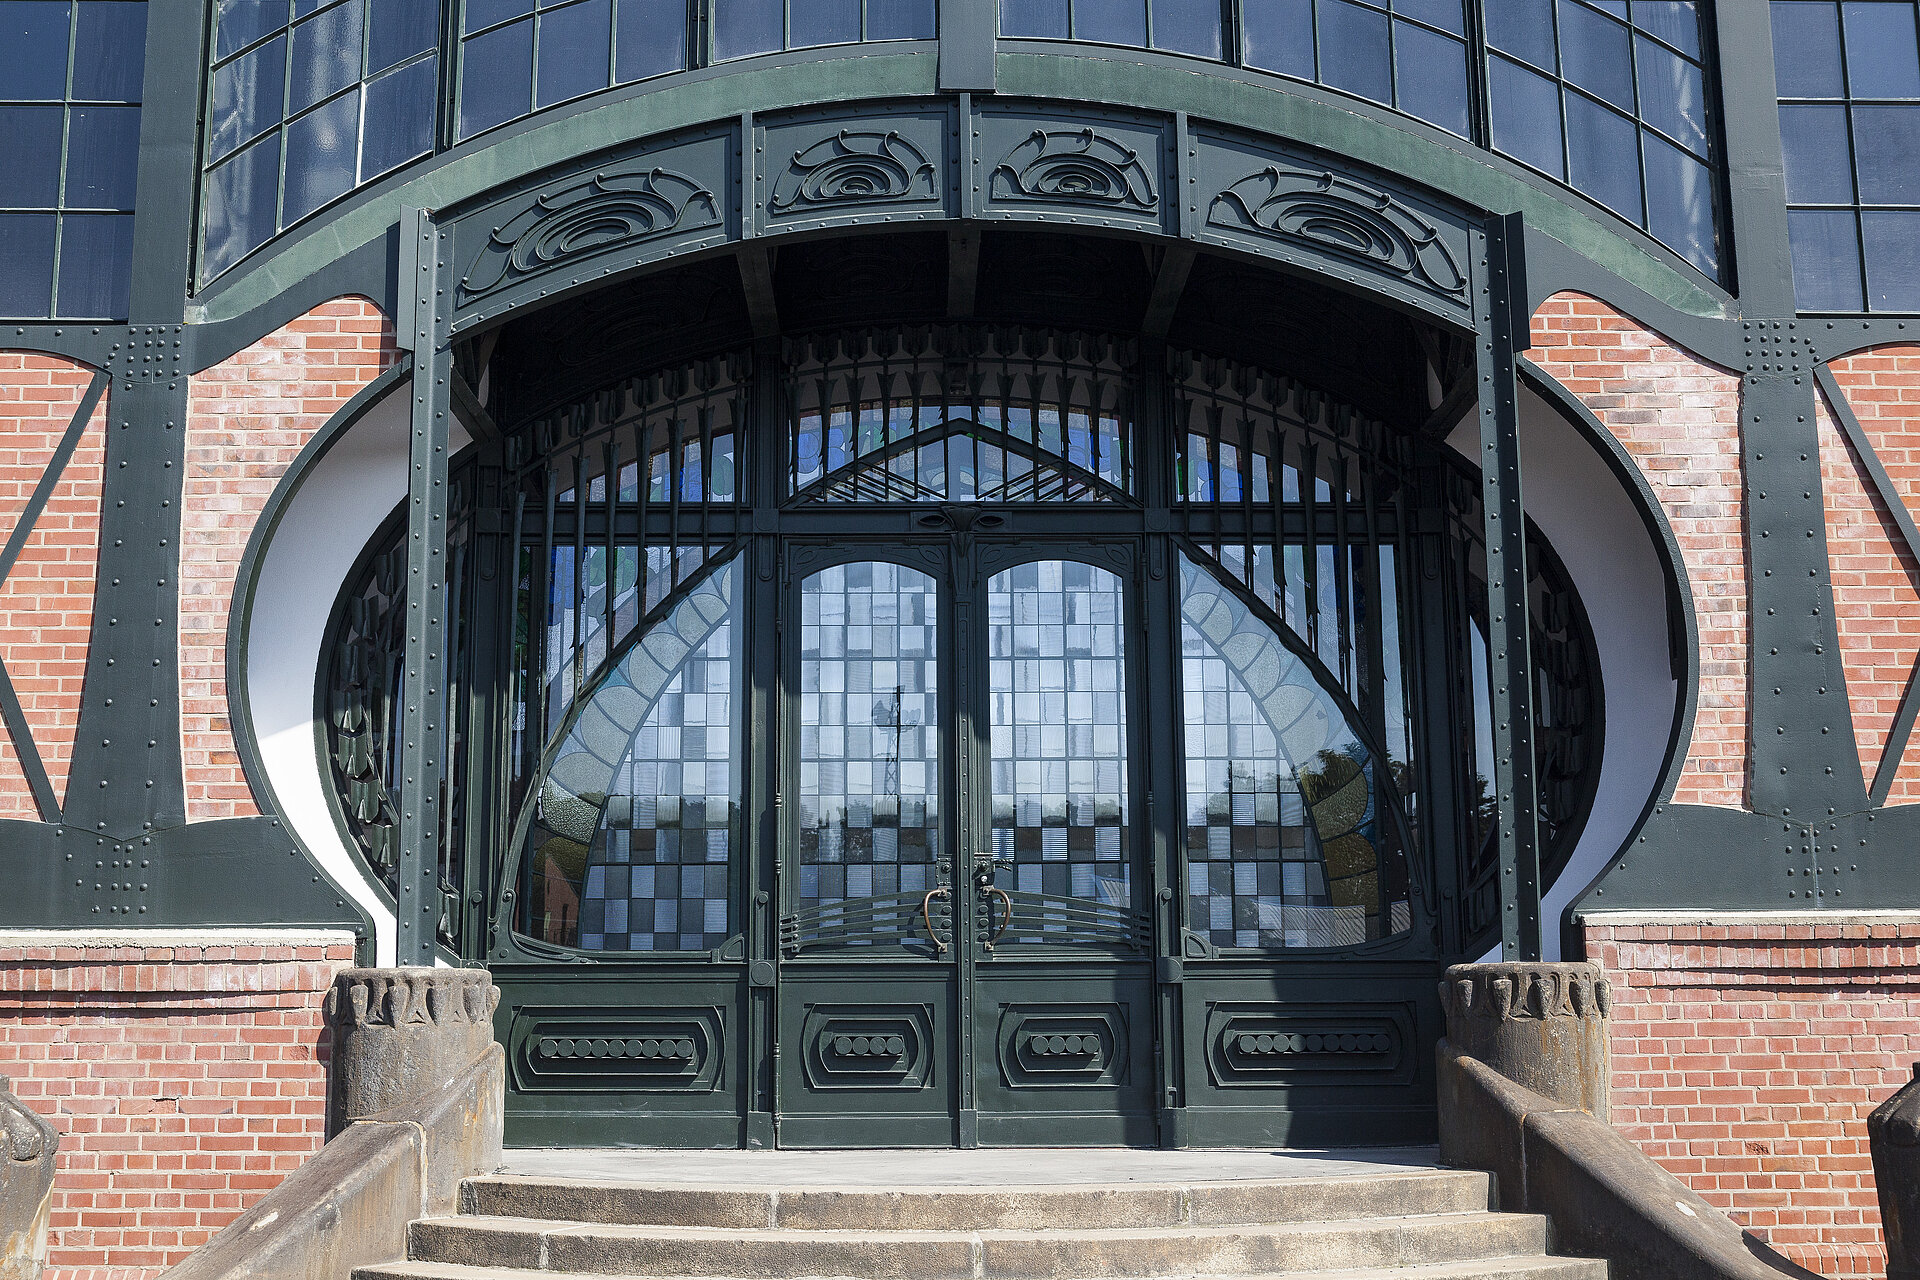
(954, 575)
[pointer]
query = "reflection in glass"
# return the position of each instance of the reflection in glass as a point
(742, 28)
(1057, 660)
(869, 755)
(1289, 838)
(638, 814)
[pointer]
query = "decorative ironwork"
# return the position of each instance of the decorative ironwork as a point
(608, 210)
(854, 167)
(1336, 213)
(1080, 166)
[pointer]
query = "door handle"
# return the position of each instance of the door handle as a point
(926, 915)
(1006, 912)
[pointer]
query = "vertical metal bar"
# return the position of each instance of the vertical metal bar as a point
(1511, 655)
(423, 722)
(544, 604)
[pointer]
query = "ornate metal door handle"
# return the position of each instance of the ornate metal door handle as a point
(1006, 914)
(926, 914)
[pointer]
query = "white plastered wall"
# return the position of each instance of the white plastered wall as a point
(1585, 511)
(338, 505)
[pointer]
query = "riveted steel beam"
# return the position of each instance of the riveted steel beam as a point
(424, 709)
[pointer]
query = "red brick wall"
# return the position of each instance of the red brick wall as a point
(1876, 605)
(247, 419)
(186, 1077)
(1679, 418)
(1746, 1058)
(46, 602)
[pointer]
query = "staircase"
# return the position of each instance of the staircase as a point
(1407, 1222)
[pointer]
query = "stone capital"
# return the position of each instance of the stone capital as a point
(1541, 1025)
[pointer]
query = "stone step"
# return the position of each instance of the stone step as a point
(1054, 1206)
(1523, 1268)
(1081, 1254)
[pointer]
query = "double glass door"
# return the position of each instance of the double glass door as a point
(965, 946)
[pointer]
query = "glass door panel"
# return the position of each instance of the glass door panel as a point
(869, 847)
(1062, 850)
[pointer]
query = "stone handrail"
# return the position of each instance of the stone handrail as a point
(1524, 1084)
(417, 1097)
(27, 1144)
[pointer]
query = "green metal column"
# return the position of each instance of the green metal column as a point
(1502, 318)
(423, 726)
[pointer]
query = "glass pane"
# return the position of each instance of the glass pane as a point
(1817, 151)
(1057, 670)
(33, 145)
(496, 82)
(1826, 259)
(1523, 28)
(1288, 844)
(574, 52)
(1886, 142)
(1111, 21)
(1892, 245)
(1603, 159)
(109, 52)
(1444, 14)
(869, 758)
(1188, 26)
(326, 56)
(1675, 21)
(1353, 50)
(1034, 19)
(26, 264)
(1680, 204)
(1526, 116)
(321, 151)
(1883, 49)
(248, 95)
(1430, 72)
(651, 39)
(1279, 36)
(398, 29)
(399, 123)
(96, 264)
(900, 19)
(103, 157)
(1673, 95)
(1594, 54)
(824, 22)
(481, 14)
(238, 23)
(638, 814)
(742, 27)
(1806, 49)
(240, 197)
(33, 49)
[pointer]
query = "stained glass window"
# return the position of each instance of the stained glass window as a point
(1290, 840)
(71, 73)
(637, 816)
(869, 755)
(1061, 842)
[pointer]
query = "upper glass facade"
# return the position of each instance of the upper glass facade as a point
(1849, 77)
(309, 99)
(70, 90)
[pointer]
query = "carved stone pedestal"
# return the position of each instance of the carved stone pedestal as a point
(27, 1144)
(1540, 1025)
(1893, 1133)
(400, 1035)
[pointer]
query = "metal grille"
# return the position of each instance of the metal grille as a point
(960, 413)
